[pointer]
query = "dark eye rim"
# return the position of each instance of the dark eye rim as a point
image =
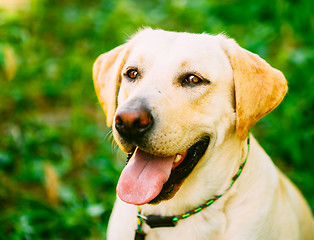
(129, 70)
(185, 82)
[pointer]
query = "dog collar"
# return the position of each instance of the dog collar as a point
(155, 221)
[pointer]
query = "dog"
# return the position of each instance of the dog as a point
(182, 106)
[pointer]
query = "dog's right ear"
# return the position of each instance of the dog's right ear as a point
(107, 78)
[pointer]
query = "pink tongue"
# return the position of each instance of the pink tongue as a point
(143, 177)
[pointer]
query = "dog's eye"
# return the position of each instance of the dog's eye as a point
(192, 80)
(132, 73)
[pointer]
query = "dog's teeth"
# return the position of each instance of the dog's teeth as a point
(178, 158)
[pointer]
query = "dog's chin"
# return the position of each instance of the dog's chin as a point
(183, 170)
(180, 171)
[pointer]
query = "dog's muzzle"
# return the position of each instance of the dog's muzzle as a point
(151, 177)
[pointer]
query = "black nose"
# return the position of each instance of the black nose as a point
(133, 123)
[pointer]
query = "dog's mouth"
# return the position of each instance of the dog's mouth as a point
(148, 178)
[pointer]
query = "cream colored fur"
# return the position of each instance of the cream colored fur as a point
(263, 203)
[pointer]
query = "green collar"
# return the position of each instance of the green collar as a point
(155, 221)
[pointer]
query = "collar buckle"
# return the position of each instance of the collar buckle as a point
(155, 221)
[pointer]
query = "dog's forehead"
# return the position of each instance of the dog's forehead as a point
(182, 46)
(199, 52)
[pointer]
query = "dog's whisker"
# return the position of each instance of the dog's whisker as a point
(109, 134)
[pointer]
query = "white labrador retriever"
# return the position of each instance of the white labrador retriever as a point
(186, 103)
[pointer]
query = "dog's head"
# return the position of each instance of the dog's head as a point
(173, 96)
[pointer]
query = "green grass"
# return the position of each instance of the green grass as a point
(58, 166)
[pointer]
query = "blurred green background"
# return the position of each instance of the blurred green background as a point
(58, 165)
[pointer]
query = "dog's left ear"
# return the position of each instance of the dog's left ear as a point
(107, 78)
(259, 88)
